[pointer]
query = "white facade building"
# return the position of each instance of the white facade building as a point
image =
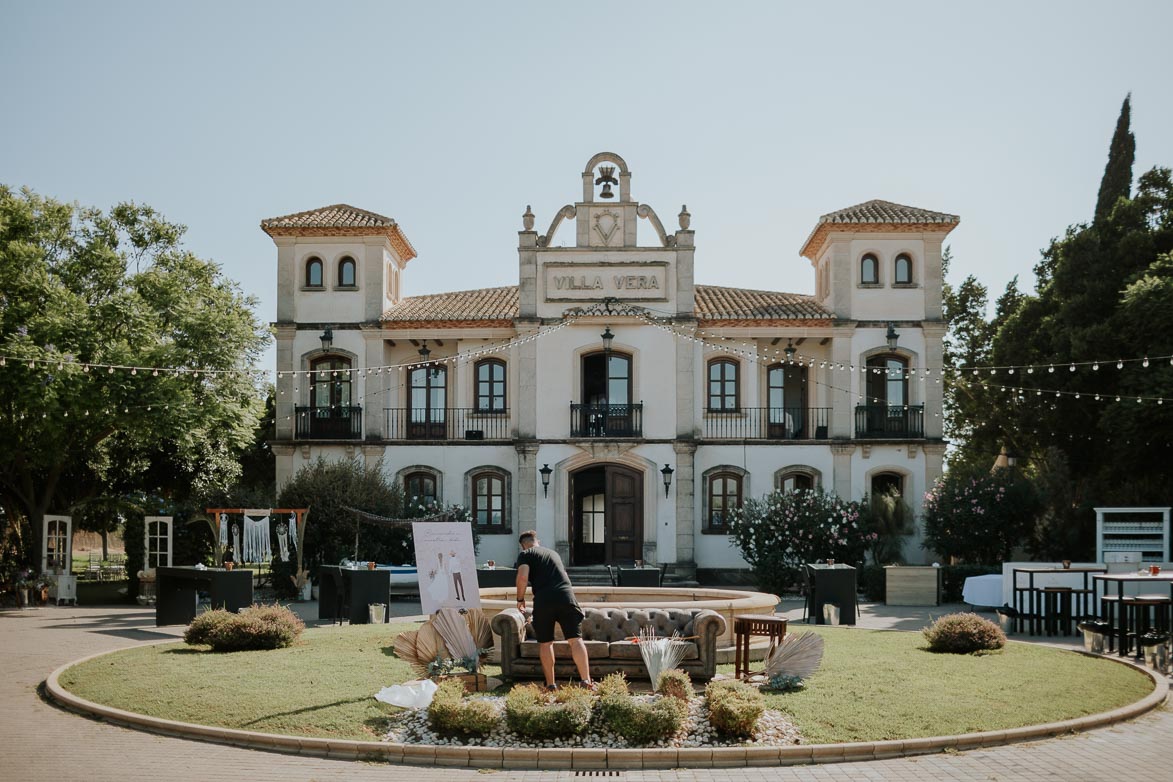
(507, 400)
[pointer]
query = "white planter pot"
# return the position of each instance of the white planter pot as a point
(307, 592)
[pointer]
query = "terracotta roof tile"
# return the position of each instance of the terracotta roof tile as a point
(875, 213)
(334, 216)
(715, 302)
(475, 305)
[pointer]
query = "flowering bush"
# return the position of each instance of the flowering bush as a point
(782, 531)
(980, 518)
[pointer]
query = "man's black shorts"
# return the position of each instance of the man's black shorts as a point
(568, 616)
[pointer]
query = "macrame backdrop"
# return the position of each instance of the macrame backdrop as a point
(256, 536)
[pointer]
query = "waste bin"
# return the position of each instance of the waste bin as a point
(830, 614)
(1094, 632)
(378, 613)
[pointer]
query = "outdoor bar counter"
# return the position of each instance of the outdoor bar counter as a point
(360, 588)
(176, 588)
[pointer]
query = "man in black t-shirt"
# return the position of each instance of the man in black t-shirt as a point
(553, 602)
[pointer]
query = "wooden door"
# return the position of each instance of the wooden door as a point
(625, 529)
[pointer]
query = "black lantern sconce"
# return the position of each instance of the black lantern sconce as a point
(424, 352)
(892, 336)
(789, 350)
(667, 473)
(545, 471)
(327, 339)
(607, 338)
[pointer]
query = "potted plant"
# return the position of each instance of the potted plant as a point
(25, 581)
(465, 669)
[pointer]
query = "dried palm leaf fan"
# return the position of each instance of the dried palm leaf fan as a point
(457, 635)
(478, 625)
(797, 655)
(429, 644)
(660, 654)
(404, 648)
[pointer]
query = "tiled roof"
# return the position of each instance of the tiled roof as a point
(713, 303)
(335, 216)
(875, 213)
(716, 302)
(340, 220)
(476, 305)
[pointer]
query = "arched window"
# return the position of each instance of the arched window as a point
(724, 495)
(346, 277)
(792, 479)
(887, 381)
(331, 382)
(157, 531)
(490, 390)
(489, 494)
(419, 487)
(869, 270)
(313, 273)
(723, 392)
(903, 270)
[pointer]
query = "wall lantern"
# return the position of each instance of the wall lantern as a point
(545, 471)
(667, 473)
(327, 339)
(789, 350)
(892, 336)
(608, 338)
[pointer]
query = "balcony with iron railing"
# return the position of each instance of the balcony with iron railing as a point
(878, 422)
(606, 420)
(768, 423)
(328, 423)
(446, 423)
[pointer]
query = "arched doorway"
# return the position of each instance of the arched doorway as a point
(606, 515)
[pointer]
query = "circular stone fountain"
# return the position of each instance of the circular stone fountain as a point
(726, 602)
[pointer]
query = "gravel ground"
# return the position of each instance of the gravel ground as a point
(773, 730)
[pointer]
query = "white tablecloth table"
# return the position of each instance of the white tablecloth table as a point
(983, 590)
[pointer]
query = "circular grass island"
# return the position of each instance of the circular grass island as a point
(877, 694)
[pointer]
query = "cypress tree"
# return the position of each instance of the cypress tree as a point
(1117, 181)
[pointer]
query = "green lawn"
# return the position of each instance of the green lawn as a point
(873, 685)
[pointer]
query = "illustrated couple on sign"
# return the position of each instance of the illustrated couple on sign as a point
(446, 583)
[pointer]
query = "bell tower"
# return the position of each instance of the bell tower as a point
(606, 261)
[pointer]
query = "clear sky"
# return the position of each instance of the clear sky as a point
(452, 116)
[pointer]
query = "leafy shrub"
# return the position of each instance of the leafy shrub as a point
(261, 627)
(613, 684)
(675, 684)
(640, 722)
(780, 532)
(529, 712)
(200, 631)
(980, 517)
(872, 582)
(964, 634)
(451, 713)
(734, 707)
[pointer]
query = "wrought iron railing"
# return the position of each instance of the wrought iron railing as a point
(881, 421)
(446, 423)
(606, 420)
(328, 423)
(768, 423)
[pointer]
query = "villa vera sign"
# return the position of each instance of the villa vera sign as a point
(620, 281)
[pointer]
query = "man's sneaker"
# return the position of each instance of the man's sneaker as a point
(589, 686)
(551, 687)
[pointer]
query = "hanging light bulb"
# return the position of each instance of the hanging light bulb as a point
(1096, 367)
(1145, 363)
(1051, 369)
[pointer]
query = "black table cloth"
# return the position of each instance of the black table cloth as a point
(176, 592)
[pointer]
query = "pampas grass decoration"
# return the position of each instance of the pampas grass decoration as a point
(660, 654)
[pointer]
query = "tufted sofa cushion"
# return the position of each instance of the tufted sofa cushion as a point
(628, 650)
(596, 650)
(619, 624)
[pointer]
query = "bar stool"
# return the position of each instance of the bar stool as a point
(1136, 612)
(748, 625)
(1057, 618)
(1108, 605)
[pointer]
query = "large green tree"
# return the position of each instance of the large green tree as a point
(80, 287)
